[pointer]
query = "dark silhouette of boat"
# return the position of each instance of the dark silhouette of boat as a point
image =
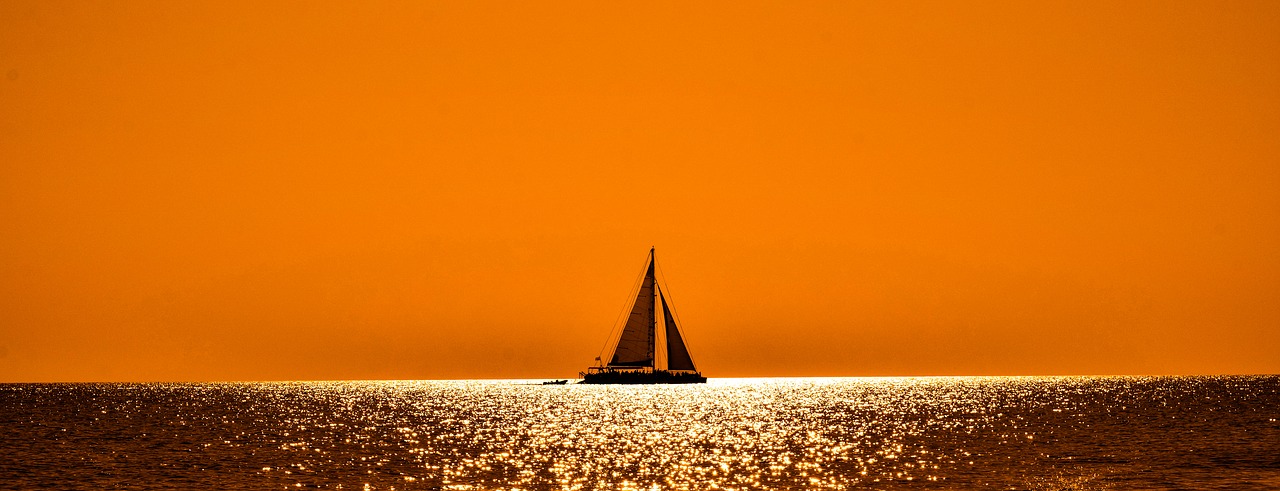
(555, 382)
(635, 358)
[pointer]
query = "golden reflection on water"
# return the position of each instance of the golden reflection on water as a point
(728, 434)
(883, 433)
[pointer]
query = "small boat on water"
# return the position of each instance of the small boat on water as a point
(555, 382)
(636, 357)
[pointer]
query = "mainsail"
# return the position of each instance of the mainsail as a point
(677, 354)
(635, 346)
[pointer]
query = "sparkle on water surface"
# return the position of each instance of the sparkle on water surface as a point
(925, 433)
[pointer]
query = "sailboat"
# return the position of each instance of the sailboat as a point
(634, 358)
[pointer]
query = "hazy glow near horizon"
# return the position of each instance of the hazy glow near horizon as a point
(249, 191)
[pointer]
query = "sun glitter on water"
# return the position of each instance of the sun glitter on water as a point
(930, 433)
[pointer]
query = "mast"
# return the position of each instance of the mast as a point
(653, 312)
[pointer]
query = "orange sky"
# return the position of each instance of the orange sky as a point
(301, 190)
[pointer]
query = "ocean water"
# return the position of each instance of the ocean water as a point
(1061, 433)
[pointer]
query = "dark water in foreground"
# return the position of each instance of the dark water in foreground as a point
(930, 433)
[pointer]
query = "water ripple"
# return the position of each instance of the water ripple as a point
(911, 433)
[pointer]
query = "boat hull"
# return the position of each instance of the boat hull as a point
(641, 378)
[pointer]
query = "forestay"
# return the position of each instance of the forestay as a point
(635, 346)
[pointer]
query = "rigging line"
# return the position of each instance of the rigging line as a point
(626, 302)
(635, 286)
(671, 304)
(618, 322)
